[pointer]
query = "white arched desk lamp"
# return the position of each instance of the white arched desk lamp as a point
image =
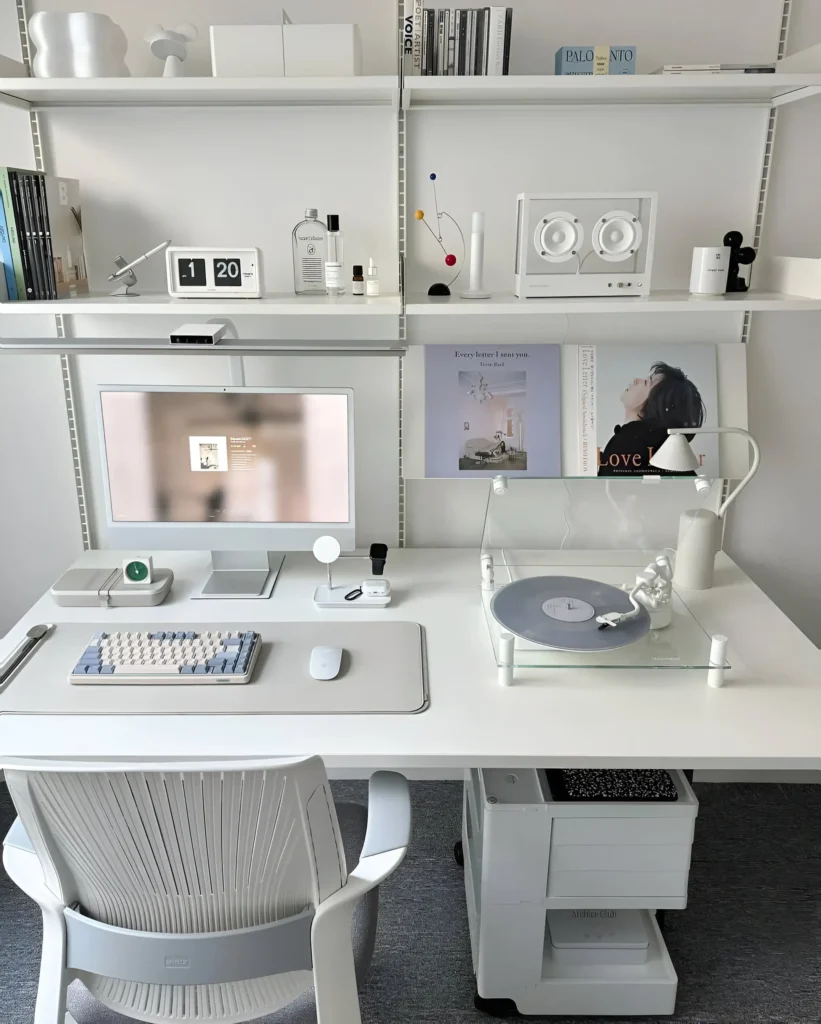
(699, 528)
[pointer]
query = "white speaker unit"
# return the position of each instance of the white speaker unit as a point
(584, 244)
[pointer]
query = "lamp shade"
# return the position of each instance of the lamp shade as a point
(676, 455)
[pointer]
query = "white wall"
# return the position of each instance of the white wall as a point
(774, 531)
(39, 525)
(113, 152)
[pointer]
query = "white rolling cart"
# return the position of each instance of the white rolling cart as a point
(606, 867)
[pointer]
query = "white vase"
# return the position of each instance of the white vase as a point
(77, 45)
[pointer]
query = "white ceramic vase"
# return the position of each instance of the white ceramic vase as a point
(77, 44)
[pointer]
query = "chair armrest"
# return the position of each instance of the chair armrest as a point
(17, 837)
(389, 814)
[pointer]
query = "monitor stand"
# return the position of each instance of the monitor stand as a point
(242, 575)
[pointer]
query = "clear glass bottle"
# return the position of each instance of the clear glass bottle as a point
(333, 259)
(373, 279)
(309, 241)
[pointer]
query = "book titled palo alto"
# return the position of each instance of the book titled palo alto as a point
(596, 60)
(493, 410)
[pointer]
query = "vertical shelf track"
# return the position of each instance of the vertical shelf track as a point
(769, 145)
(66, 360)
(401, 129)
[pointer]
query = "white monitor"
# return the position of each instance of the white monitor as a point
(242, 472)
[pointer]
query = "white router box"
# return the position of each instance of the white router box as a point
(583, 244)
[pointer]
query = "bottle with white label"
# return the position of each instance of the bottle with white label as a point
(372, 285)
(333, 259)
(309, 241)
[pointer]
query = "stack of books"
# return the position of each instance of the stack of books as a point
(41, 237)
(716, 69)
(458, 41)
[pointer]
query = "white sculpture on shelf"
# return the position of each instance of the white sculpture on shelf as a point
(171, 45)
(77, 44)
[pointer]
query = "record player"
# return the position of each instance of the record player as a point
(551, 607)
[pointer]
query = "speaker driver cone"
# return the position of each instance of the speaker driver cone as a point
(559, 237)
(617, 236)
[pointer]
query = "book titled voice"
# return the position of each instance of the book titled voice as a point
(596, 60)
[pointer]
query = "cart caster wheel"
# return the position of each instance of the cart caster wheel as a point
(496, 1007)
(459, 854)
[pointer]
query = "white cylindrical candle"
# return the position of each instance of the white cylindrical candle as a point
(698, 537)
(708, 275)
(477, 252)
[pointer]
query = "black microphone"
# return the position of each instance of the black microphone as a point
(378, 556)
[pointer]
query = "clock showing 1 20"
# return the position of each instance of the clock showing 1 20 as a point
(198, 272)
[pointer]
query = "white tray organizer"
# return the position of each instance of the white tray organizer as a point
(527, 855)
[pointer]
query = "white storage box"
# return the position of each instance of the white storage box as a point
(321, 50)
(247, 51)
(581, 855)
(597, 936)
(526, 854)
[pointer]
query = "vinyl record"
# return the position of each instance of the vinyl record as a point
(560, 612)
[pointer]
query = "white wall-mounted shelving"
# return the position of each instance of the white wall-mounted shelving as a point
(226, 347)
(162, 305)
(42, 93)
(656, 302)
(551, 90)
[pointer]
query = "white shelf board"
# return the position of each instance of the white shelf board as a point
(422, 92)
(377, 90)
(161, 304)
(506, 304)
(227, 347)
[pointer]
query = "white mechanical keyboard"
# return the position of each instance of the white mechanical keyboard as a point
(168, 657)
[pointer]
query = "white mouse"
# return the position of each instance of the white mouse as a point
(325, 662)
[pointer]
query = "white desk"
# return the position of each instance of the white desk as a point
(766, 716)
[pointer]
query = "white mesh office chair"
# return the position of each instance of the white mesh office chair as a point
(196, 891)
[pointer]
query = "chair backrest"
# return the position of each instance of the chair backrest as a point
(185, 848)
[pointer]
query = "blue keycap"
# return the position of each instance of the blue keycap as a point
(80, 670)
(187, 670)
(156, 636)
(231, 664)
(233, 641)
(199, 670)
(100, 636)
(211, 671)
(217, 663)
(93, 670)
(189, 636)
(107, 670)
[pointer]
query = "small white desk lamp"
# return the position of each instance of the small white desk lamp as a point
(699, 528)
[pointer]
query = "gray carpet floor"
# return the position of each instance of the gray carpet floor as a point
(747, 950)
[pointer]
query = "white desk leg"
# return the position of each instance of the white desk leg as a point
(718, 659)
(507, 647)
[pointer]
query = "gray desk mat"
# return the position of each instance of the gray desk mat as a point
(383, 672)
